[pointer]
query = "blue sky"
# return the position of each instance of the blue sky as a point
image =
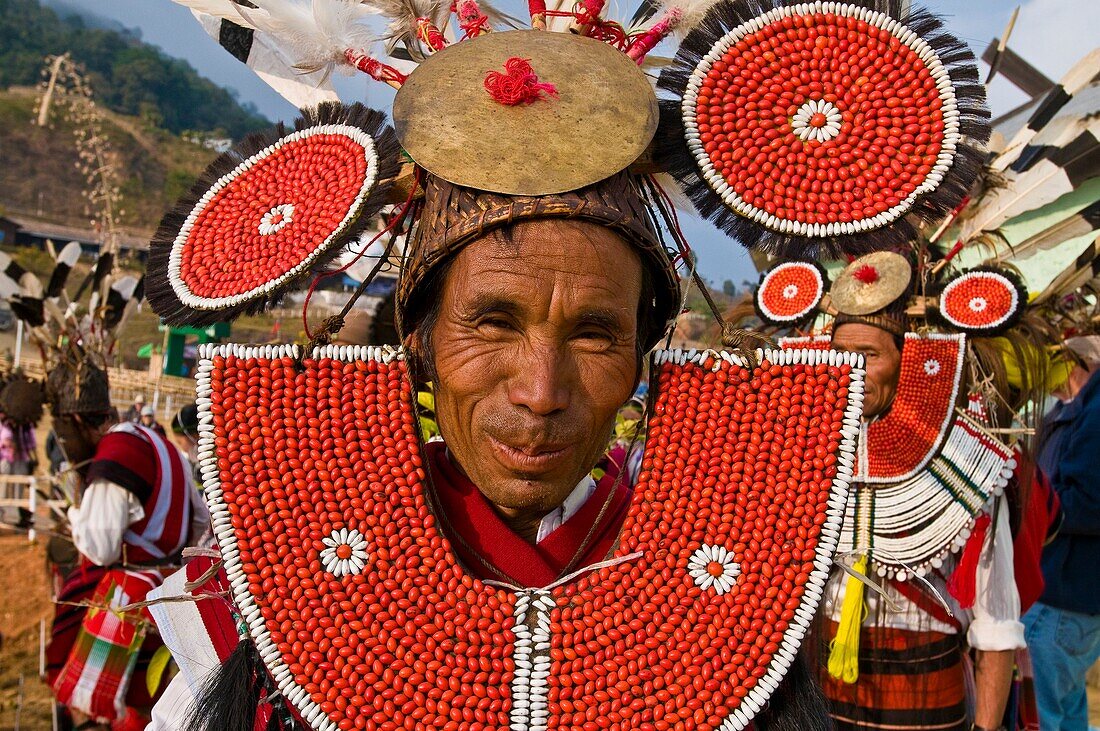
(1051, 34)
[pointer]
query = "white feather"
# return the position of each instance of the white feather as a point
(343, 23)
(224, 9)
(313, 34)
(1074, 277)
(125, 286)
(1026, 191)
(271, 62)
(693, 13)
(1065, 229)
(70, 255)
(1075, 79)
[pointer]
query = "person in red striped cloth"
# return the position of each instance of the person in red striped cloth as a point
(138, 509)
(927, 522)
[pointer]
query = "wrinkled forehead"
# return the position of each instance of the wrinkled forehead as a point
(564, 244)
(862, 338)
(536, 264)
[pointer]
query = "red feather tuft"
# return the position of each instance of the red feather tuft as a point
(866, 274)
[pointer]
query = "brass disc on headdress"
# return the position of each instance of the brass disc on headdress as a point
(870, 283)
(602, 120)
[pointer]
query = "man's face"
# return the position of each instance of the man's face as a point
(78, 438)
(883, 363)
(535, 351)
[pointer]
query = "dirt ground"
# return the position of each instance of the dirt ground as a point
(24, 603)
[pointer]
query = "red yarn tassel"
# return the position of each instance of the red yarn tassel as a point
(866, 274)
(518, 84)
(471, 20)
(963, 582)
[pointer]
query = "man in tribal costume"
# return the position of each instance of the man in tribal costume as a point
(363, 579)
(137, 509)
(929, 480)
(532, 352)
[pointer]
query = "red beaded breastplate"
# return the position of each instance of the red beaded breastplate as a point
(924, 473)
(901, 443)
(364, 618)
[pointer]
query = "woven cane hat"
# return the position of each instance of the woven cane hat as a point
(453, 216)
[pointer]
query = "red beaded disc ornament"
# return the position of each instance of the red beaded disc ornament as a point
(983, 301)
(790, 293)
(821, 123)
(287, 201)
(365, 619)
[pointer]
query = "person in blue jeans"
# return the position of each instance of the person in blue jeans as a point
(1063, 628)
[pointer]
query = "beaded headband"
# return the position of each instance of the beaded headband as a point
(895, 325)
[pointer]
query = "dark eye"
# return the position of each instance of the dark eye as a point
(494, 323)
(595, 335)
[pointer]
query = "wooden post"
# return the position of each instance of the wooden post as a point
(32, 501)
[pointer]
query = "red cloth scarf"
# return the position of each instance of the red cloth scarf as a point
(485, 535)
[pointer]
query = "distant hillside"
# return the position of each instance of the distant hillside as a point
(38, 174)
(127, 75)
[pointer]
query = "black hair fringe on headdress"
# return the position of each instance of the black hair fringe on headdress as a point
(671, 151)
(158, 287)
(797, 704)
(936, 317)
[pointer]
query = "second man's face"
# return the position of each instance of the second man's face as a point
(883, 363)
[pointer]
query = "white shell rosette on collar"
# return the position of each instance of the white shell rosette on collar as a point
(713, 567)
(345, 552)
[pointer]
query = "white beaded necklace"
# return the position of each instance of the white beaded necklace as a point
(913, 525)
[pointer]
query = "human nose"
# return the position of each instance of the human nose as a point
(541, 381)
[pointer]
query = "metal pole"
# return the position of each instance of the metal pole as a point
(18, 341)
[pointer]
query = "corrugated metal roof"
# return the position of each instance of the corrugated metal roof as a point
(62, 233)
